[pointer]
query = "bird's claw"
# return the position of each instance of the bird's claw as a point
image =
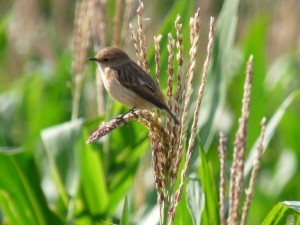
(132, 111)
(121, 118)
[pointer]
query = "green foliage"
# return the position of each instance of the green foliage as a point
(124, 218)
(48, 175)
(92, 175)
(61, 143)
(287, 212)
(195, 200)
(254, 45)
(210, 212)
(271, 127)
(219, 69)
(182, 215)
(21, 196)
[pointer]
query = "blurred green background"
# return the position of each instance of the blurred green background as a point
(47, 171)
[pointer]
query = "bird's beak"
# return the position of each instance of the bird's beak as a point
(93, 59)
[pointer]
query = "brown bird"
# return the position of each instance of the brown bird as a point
(128, 83)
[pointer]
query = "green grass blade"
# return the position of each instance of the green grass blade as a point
(254, 42)
(215, 90)
(126, 165)
(211, 208)
(292, 204)
(61, 142)
(270, 128)
(92, 177)
(21, 196)
(10, 150)
(287, 212)
(182, 215)
(195, 200)
(125, 217)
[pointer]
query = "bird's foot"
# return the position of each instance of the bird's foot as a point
(121, 118)
(133, 112)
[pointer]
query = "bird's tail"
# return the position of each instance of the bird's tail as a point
(166, 109)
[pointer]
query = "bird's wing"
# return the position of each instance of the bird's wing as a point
(138, 81)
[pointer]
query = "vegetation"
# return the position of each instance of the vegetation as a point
(51, 103)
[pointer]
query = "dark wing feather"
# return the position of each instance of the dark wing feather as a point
(137, 80)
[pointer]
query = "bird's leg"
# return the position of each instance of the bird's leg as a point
(133, 112)
(130, 111)
(121, 117)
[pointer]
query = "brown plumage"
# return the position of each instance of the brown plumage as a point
(128, 83)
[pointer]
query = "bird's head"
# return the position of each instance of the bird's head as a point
(110, 57)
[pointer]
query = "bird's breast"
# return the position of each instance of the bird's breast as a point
(121, 93)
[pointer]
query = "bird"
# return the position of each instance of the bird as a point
(128, 83)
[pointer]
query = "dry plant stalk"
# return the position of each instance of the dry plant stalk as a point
(180, 62)
(157, 62)
(142, 38)
(178, 98)
(237, 168)
(223, 151)
(117, 122)
(170, 80)
(167, 142)
(98, 32)
(117, 20)
(98, 24)
(80, 46)
(127, 17)
(160, 143)
(189, 151)
(136, 46)
(89, 15)
(187, 92)
(241, 142)
(250, 190)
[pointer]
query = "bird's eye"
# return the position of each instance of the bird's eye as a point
(106, 59)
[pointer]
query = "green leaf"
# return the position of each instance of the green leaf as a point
(270, 128)
(124, 218)
(92, 177)
(195, 199)
(287, 212)
(292, 204)
(221, 59)
(61, 143)
(10, 102)
(127, 161)
(21, 196)
(211, 209)
(182, 214)
(254, 43)
(10, 150)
